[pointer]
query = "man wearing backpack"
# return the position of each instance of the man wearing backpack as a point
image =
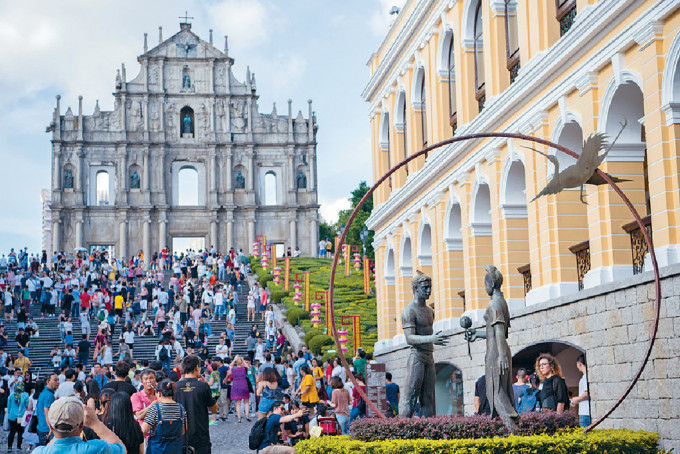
(164, 354)
(264, 436)
(529, 398)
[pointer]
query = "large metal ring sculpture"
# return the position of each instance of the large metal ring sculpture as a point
(643, 229)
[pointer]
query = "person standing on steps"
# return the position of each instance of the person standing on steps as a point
(194, 394)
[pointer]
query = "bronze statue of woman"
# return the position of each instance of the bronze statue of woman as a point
(498, 360)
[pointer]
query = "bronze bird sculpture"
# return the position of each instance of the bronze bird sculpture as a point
(583, 171)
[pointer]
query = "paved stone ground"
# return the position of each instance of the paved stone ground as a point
(228, 437)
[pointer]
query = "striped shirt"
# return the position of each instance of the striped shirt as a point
(170, 412)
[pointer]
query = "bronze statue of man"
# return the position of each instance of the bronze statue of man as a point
(416, 320)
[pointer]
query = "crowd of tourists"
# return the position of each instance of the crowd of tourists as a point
(543, 390)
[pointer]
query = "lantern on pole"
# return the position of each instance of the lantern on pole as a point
(347, 251)
(265, 260)
(343, 339)
(277, 275)
(304, 278)
(286, 273)
(323, 296)
(316, 312)
(298, 294)
(256, 250)
(357, 261)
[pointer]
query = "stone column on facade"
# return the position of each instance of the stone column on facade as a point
(56, 167)
(292, 236)
(161, 176)
(145, 112)
(291, 169)
(313, 237)
(251, 233)
(230, 233)
(122, 239)
(311, 178)
(146, 241)
(211, 82)
(229, 171)
(146, 176)
(251, 168)
(79, 233)
(123, 179)
(212, 168)
(214, 240)
(56, 231)
(80, 178)
(162, 233)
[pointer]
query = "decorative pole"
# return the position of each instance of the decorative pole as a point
(367, 274)
(355, 321)
(277, 275)
(315, 314)
(272, 254)
(256, 250)
(286, 274)
(347, 252)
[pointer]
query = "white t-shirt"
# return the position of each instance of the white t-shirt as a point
(65, 390)
(129, 337)
(338, 371)
(584, 405)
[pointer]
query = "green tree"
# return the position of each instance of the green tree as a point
(359, 223)
(326, 230)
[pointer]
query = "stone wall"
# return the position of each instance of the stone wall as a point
(612, 323)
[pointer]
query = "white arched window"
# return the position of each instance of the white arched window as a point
(188, 187)
(425, 246)
(270, 188)
(406, 261)
(103, 180)
(453, 120)
(478, 42)
(389, 267)
(481, 221)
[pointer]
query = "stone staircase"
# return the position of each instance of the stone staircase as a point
(145, 346)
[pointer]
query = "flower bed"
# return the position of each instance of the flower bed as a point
(564, 442)
(454, 427)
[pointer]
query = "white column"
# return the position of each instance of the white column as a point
(228, 186)
(293, 234)
(56, 168)
(251, 171)
(251, 233)
(311, 178)
(146, 172)
(56, 234)
(313, 236)
(230, 235)
(122, 239)
(79, 233)
(162, 234)
(213, 235)
(146, 242)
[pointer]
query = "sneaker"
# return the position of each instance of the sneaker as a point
(213, 422)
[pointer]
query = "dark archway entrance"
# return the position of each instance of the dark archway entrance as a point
(448, 389)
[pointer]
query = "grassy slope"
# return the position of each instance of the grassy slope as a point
(349, 297)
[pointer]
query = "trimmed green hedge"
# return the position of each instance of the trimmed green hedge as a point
(311, 333)
(319, 341)
(569, 442)
(296, 313)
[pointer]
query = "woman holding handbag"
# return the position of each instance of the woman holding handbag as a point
(240, 390)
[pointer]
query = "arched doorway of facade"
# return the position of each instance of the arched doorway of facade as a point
(564, 352)
(448, 389)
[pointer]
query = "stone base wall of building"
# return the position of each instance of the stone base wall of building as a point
(612, 325)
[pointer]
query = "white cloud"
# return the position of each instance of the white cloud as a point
(381, 20)
(251, 22)
(330, 208)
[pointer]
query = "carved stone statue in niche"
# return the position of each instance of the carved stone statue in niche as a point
(186, 129)
(240, 181)
(134, 180)
(154, 116)
(301, 180)
(220, 112)
(203, 120)
(170, 120)
(220, 77)
(153, 75)
(238, 115)
(68, 179)
(186, 82)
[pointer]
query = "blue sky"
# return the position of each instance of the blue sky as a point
(298, 49)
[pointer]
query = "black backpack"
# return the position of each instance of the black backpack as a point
(163, 354)
(257, 434)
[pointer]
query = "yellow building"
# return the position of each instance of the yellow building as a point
(555, 69)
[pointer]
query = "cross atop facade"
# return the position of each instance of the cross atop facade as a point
(185, 18)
